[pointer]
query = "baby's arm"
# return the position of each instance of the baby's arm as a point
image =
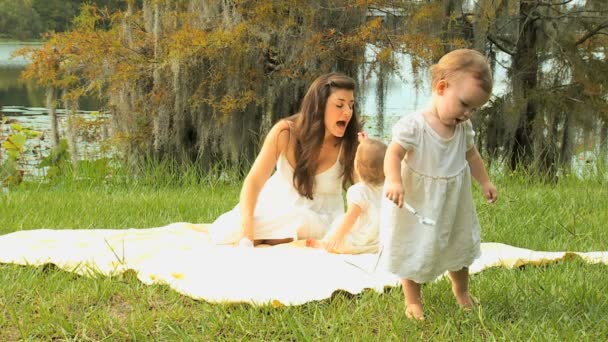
(478, 171)
(335, 238)
(392, 171)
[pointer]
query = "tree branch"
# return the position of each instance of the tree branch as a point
(554, 4)
(592, 33)
(499, 45)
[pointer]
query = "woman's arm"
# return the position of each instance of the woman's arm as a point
(274, 144)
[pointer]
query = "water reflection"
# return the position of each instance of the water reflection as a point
(14, 92)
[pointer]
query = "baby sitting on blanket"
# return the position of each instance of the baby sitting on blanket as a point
(357, 231)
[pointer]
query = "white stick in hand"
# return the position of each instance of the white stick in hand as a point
(424, 220)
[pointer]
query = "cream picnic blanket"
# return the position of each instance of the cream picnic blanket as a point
(181, 256)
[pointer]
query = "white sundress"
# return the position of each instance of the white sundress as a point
(437, 182)
(281, 212)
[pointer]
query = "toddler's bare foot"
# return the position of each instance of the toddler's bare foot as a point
(414, 311)
(465, 301)
(313, 243)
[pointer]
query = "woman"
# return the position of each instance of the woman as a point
(313, 152)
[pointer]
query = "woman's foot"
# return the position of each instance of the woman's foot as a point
(414, 311)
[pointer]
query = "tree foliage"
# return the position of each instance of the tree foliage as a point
(556, 61)
(203, 80)
(18, 20)
(31, 19)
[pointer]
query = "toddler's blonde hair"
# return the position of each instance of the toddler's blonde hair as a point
(463, 60)
(370, 161)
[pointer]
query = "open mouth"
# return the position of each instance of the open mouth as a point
(341, 124)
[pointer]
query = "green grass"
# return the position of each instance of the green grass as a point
(563, 301)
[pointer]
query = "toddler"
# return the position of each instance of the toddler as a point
(357, 230)
(429, 164)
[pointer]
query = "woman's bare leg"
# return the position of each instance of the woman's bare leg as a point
(273, 242)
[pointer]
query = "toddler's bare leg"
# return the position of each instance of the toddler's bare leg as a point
(460, 288)
(413, 299)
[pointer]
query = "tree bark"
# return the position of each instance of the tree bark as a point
(524, 78)
(565, 154)
(51, 105)
(71, 107)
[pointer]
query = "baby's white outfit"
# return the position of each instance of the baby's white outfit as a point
(437, 182)
(363, 236)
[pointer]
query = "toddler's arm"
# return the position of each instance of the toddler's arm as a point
(334, 240)
(478, 171)
(392, 171)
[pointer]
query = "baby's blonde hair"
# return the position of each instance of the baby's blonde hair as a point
(463, 60)
(370, 161)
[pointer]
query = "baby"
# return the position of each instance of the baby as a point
(357, 230)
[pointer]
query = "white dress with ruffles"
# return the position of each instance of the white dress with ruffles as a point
(281, 212)
(437, 182)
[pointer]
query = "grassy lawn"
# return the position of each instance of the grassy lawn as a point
(563, 301)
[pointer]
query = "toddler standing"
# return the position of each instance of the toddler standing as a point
(429, 164)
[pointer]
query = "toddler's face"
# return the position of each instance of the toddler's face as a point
(458, 98)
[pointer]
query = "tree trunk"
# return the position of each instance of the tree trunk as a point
(381, 87)
(162, 118)
(71, 107)
(565, 154)
(524, 77)
(604, 137)
(51, 105)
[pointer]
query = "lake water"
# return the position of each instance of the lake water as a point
(14, 92)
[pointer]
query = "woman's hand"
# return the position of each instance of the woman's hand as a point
(246, 238)
(246, 243)
(395, 193)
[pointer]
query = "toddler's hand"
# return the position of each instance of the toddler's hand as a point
(333, 244)
(394, 192)
(489, 192)
(361, 136)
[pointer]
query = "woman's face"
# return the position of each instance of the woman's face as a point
(338, 112)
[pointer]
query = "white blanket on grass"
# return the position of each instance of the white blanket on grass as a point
(181, 256)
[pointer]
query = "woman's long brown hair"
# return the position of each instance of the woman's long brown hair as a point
(310, 131)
